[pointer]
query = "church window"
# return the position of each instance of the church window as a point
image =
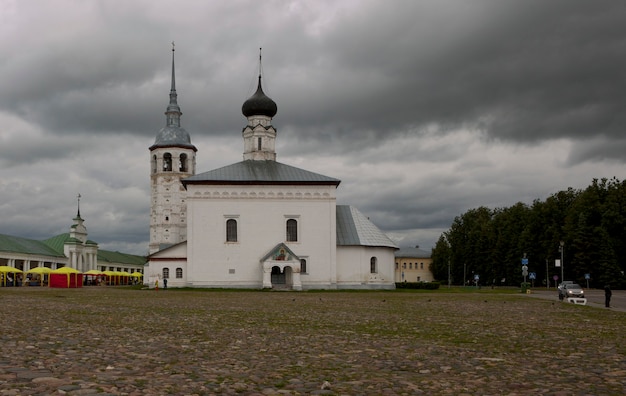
(167, 162)
(231, 230)
(410, 265)
(166, 273)
(404, 265)
(154, 164)
(179, 273)
(303, 266)
(421, 265)
(373, 265)
(182, 163)
(292, 230)
(259, 141)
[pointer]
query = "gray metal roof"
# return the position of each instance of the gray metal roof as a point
(355, 229)
(173, 136)
(260, 172)
(413, 253)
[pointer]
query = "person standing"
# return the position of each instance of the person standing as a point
(607, 296)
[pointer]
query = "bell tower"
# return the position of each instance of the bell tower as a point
(172, 158)
(259, 135)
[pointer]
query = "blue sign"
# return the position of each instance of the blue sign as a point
(524, 261)
(587, 276)
(532, 275)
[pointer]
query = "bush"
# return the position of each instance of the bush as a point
(418, 285)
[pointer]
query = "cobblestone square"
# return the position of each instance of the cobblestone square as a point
(120, 341)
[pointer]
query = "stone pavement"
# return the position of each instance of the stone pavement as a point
(117, 341)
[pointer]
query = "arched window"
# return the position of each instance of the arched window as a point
(231, 230)
(259, 141)
(303, 266)
(154, 164)
(166, 273)
(292, 230)
(167, 162)
(182, 163)
(179, 273)
(373, 265)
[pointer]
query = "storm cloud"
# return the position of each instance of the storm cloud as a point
(423, 109)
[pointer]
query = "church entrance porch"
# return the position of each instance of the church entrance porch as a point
(281, 269)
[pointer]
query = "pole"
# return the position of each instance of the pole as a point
(449, 280)
(547, 276)
(464, 274)
(562, 264)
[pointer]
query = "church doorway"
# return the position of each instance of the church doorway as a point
(278, 277)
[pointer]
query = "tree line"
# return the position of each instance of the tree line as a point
(586, 227)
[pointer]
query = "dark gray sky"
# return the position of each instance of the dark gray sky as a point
(424, 109)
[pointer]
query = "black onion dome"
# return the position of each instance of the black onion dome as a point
(259, 104)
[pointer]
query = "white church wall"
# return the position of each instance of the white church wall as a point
(171, 258)
(261, 213)
(354, 271)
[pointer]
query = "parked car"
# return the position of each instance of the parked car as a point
(571, 290)
(564, 283)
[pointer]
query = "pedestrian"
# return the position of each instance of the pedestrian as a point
(164, 283)
(607, 296)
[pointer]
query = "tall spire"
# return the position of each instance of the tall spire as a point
(172, 134)
(78, 202)
(173, 112)
(173, 89)
(260, 64)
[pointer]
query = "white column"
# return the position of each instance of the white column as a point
(297, 284)
(267, 276)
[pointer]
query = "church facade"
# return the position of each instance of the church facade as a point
(257, 223)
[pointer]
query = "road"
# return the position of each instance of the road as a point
(595, 298)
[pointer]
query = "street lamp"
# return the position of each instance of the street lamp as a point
(561, 249)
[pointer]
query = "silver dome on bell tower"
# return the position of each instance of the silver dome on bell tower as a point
(172, 134)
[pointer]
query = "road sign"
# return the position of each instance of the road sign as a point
(524, 261)
(587, 276)
(524, 268)
(532, 275)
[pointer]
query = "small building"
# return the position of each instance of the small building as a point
(72, 250)
(413, 265)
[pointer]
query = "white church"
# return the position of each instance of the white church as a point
(257, 223)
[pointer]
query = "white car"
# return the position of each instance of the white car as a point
(571, 290)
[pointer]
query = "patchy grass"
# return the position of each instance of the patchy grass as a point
(458, 340)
